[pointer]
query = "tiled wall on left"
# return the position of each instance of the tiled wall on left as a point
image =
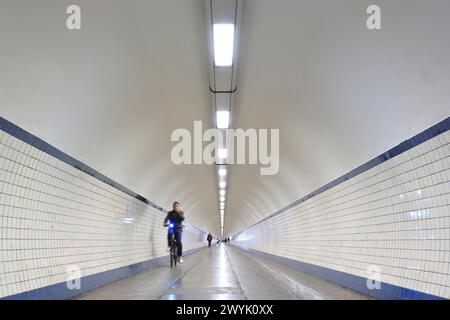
(53, 216)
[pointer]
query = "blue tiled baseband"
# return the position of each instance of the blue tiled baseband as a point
(422, 137)
(386, 292)
(59, 291)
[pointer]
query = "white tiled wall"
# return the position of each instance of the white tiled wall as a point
(395, 215)
(53, 215)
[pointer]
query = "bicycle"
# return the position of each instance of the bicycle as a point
(173, 245)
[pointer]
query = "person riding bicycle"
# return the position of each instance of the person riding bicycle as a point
(176, 216)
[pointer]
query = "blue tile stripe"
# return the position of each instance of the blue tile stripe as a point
(426, 135)
(38, 143)
(386, 292)
(59, 291)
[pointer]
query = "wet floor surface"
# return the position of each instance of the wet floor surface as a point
(222, 273)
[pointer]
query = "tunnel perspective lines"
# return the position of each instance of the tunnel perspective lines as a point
(223, 19)
(222, 273)
(244, 294)
(391, 214)
(180, 278)
(276, 123)
(57, 215)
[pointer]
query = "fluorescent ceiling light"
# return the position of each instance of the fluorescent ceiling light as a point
(223, 119)
(222, 184)
(222, 192)
(223, 37)
(222, 153)
(222, 172)
(222, 198)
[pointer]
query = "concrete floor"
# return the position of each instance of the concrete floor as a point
(222, 273)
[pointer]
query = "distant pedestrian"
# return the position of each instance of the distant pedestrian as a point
(209, 239)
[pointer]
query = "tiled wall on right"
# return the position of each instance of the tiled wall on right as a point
(394, 216)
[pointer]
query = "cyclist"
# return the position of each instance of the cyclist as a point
(176, 216)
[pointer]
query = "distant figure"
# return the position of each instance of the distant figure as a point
(209, 238)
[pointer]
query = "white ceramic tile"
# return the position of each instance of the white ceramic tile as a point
(53, 215)
(395, 215)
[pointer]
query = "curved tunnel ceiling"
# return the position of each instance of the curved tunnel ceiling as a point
(111, 94)
(339, 93)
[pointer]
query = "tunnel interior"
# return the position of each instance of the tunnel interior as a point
(317, 144)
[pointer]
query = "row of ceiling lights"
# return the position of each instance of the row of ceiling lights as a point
(223, 22)
(223, 38)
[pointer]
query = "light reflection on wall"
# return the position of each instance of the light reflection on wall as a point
(419, 214)
(127, 220)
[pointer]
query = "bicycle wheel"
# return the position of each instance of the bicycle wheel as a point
(175, 254)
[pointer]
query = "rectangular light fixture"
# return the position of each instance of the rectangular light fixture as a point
(222, 172)
(223, 37)
(222, 184)
(222, 198)
(223, 119)
(222, 192)
(222, 153)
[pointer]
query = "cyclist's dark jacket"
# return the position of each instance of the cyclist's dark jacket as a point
(175, 217)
